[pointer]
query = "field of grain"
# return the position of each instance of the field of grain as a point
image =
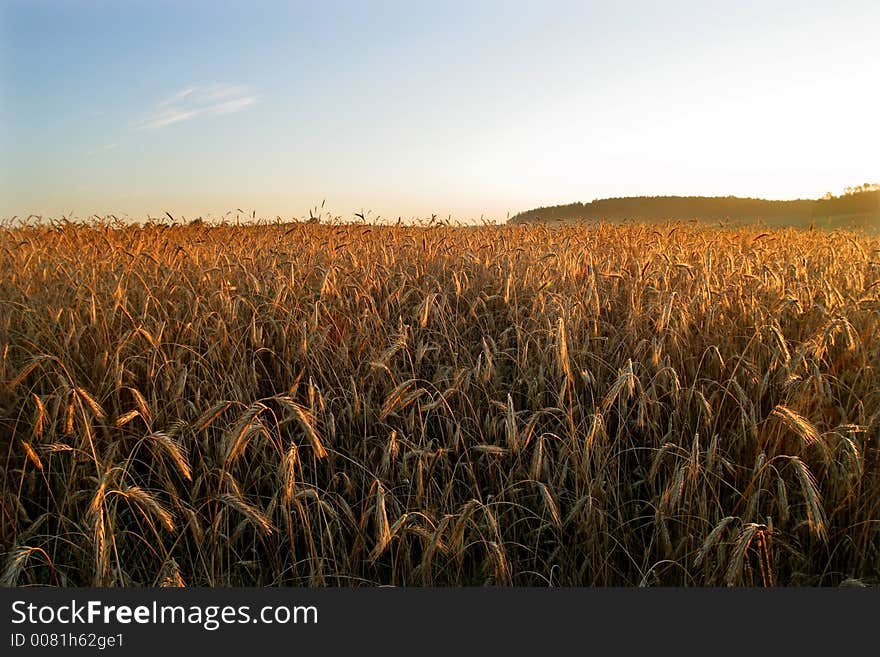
(344, 405)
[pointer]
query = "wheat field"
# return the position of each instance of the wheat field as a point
(304, 404)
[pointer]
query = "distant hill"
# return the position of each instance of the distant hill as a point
(861, 205)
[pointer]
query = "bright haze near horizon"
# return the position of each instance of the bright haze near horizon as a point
(410, 109)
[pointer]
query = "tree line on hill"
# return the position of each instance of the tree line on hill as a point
(860, 200)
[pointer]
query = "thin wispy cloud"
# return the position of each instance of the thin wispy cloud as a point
(105, 147)
(195, 101)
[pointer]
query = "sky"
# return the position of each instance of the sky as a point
(469, 109)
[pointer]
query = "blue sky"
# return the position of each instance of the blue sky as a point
(413, 108)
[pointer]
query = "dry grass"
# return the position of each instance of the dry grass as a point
(309, 404)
